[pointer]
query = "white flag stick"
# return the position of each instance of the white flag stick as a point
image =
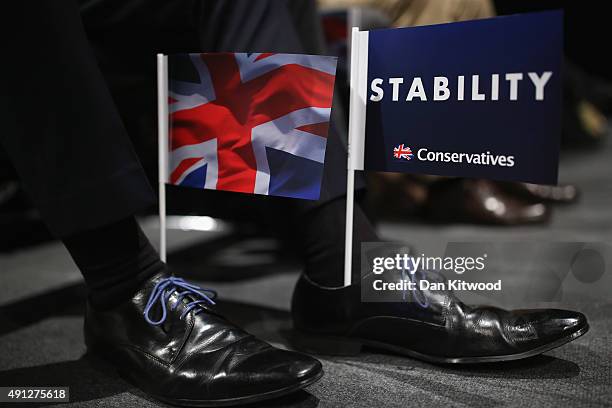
(348, 240)
(356, 135)
(162, 144)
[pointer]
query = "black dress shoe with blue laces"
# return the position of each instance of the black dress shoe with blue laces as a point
(169, 341)
(435, 326)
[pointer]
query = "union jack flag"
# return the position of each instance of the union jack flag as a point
(250, 123)
(402, 152)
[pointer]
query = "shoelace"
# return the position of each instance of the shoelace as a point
(164, 289)
(418, 295)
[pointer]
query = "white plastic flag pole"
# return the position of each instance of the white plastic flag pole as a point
(162, 144)
(348, 240)
(356, 135)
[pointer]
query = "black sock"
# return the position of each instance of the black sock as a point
(322, 232)
(115, 260)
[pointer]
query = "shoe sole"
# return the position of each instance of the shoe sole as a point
(243, 400)
(97, 351)
(348, 347)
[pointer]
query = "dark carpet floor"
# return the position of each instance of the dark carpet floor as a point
(41, 300)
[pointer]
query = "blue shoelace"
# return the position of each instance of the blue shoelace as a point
(164, 289)
(420, 298)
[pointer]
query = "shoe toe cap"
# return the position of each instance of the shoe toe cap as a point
(247, 369)
(548, 325)
(302, 367)
(563, 322)
(282, 368)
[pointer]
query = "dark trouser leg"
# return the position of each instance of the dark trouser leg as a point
(61, 129)
(318, 226)
(250, 26)
(126, 34)
(72, 152)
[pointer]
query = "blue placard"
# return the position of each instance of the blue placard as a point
(472, 99)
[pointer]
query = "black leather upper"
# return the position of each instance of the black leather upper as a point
(199, 357)
(446, 328)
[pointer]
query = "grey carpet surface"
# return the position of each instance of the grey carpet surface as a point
(50, 352)
(41, 301)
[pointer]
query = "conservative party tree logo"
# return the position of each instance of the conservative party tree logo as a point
(402, 152)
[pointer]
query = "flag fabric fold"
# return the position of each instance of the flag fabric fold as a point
(251, 123)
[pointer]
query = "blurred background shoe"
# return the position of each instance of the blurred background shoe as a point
(560, 194)
(481, 202)
(473, 201)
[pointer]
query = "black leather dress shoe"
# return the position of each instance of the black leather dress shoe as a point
(169, 342)
(437, 328)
